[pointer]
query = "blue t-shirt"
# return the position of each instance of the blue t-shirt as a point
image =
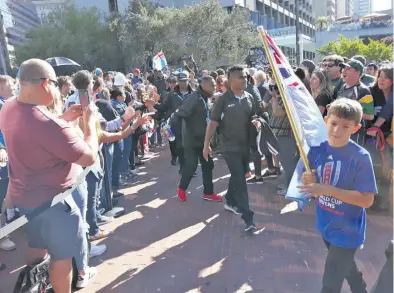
(349, 168)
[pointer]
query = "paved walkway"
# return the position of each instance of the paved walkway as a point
(163, 245)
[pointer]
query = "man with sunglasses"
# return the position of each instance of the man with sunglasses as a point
(234, 112)
(45, 153)
(331, 64)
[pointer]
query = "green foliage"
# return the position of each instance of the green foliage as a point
(321, 23)
(376, 50)
(205, 30)
(77, 34)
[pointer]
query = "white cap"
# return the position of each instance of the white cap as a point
(120, 79)
(184, 75)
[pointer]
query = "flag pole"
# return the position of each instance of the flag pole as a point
(282, 93)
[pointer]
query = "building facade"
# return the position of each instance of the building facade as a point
(17, 17)
(326, 8)
(45, 7)
(362, 7)
(344, 8)
(106, 6)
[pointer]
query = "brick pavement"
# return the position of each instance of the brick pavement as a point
(163, 245)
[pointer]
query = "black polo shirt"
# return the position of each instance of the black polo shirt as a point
(234, 115)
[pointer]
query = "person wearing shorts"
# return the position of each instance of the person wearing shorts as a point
(45, 153)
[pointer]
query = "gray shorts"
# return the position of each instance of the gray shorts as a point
(60, 230)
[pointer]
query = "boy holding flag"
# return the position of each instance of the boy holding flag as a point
(343, 182)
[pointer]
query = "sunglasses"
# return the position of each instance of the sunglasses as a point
(54, 82)
(328, 65)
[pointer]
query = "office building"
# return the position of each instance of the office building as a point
(324, 8)
(106, 6)
(45, 7)
(344, 8)
(362, 7)
(17, 17)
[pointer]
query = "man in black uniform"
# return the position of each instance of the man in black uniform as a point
(234, 111)
(195, 114)
(168, 107)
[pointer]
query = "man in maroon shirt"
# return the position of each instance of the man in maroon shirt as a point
(44, 152)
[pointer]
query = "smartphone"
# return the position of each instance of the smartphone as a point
(148, 114)
(84, 99)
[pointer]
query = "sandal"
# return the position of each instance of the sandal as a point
(100, 235)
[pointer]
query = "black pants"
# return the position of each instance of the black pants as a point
(340, 265)
(237, 193)
(270, 161)
(192, 155)
(256, 161)
(173, 149)
(177, 152)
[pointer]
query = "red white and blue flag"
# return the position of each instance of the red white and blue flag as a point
(159, 61)
(304, 111)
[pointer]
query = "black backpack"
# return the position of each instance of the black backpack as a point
(35, 278)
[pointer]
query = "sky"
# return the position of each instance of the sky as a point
(381, 4)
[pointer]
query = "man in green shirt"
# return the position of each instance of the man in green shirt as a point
(366, 79)
(354, 89)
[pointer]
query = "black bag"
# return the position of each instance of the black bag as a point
(141, 130)
(35, 278)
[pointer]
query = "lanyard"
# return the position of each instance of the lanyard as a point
(206, 109)
(181, 96)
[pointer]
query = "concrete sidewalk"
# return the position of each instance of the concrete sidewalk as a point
(164, 245)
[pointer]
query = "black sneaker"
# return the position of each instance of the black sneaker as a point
(255, 180)
(173, 161)
(269, 173)
(232, 209)
(251, 227)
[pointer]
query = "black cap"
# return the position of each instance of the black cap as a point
(172, 79)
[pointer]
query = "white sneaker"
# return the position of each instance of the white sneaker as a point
(96, 250)
(134, 172)
(83, 281)
(7, 245)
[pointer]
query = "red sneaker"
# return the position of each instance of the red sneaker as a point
(212, 197)
(181, 194)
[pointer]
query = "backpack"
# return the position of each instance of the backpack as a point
(35, 278)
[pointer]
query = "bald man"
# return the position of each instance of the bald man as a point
(44, 152)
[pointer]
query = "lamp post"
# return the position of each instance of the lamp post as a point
(297, 33)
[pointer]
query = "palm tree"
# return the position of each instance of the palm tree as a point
(321, 23)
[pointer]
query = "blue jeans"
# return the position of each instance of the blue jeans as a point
(118, 151)
(127, 143)
(109, 154)
(3, 189)
(80, 196)
(94, 189)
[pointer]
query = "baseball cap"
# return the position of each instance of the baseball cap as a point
(98, 71)
(353, 63)
(120, 79)
(361, 59)
(172, 79)
(184, 75)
